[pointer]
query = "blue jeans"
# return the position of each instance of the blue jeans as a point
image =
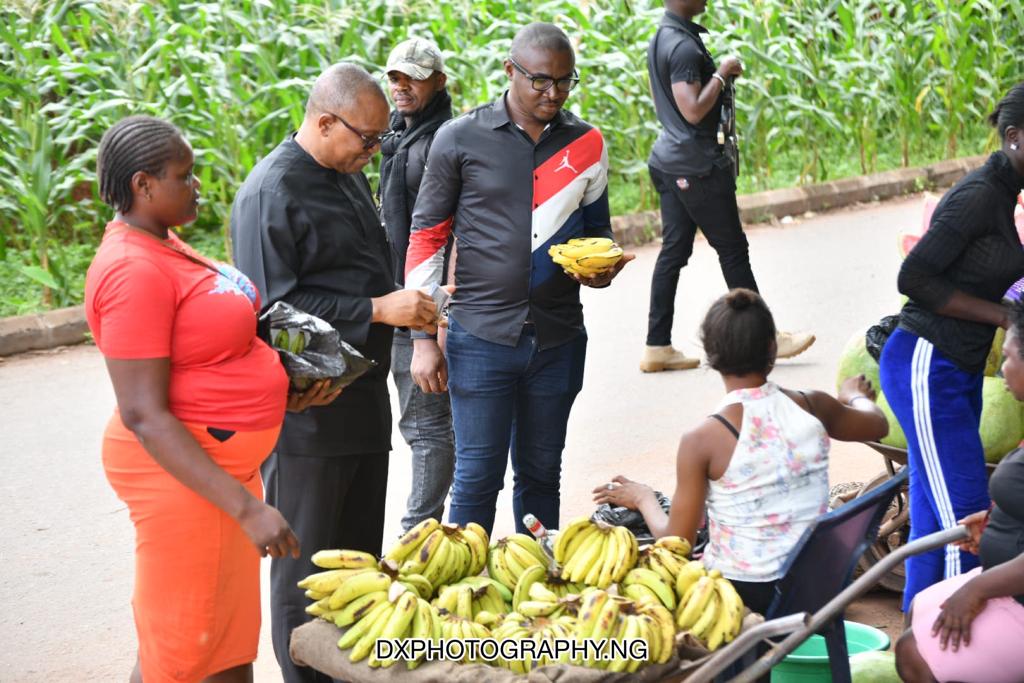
(426, 425)
(510, 397)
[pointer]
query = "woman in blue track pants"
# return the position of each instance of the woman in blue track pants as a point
(932, 365)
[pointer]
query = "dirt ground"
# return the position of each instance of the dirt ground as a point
(66, 551)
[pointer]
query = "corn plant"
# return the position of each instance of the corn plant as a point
(832, 87)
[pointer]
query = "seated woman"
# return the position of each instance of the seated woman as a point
(970, 628)
(760, 462)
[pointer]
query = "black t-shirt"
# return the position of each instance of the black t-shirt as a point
(1003, 539)
(677, 54)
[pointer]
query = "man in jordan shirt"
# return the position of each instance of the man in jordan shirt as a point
(509, 179)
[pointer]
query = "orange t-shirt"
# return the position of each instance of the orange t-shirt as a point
(145, 299)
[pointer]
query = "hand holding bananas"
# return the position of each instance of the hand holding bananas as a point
(319, 394)
(590, 261)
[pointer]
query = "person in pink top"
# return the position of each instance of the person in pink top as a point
(759, 464)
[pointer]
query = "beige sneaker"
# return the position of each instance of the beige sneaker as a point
(658, 358)
(792, 343)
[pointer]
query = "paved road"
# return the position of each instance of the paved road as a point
(66, 551)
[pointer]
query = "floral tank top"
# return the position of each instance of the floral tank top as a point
(776, 484)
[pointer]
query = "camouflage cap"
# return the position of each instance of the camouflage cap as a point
(416, 58)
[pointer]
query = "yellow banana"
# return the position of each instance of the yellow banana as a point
(477, 540)
(416, 561)
(530, 545)
(652, 581)
(401, 616)
(602, 260)
(343, 559)
(629, 631)
(522, 588)
(690, 611)
(370, 582)
(566, 535)
(582, 561)
(680, 547)
(314, 595)
(498, 570)
(668, 560)
(610, 556)
(411, 540)
(365, 644)
(688, 576)
(708, 617)
(318, 608)
(361, 627)
(437, 562)
(665, 629)
(626, 559)
(327, 582)
(591, 607)
(593, 575)
(464, 601)
(358, 608)
(538, 591)
(522, 554)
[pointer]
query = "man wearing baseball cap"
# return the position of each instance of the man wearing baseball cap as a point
(416, 83)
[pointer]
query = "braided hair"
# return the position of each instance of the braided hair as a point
(1009, 111)
(133, 144)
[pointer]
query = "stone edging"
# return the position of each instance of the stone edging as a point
(68, 326)
(760, 207)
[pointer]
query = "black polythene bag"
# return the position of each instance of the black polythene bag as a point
(634, 521)
(877, 335)
(321, 354)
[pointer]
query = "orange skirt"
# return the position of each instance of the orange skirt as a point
(197, 575)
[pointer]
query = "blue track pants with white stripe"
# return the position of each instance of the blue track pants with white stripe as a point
(938, 405)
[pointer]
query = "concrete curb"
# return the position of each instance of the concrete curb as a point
(639, 228)
(68, 326)
(43, 330)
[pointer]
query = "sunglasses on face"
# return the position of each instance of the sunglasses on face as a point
(369, 141)
(542, 83)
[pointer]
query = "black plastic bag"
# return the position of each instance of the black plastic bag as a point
(877, 335)
(310, 349)
(634, 521)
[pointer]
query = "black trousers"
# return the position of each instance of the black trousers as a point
(708, 203)
(333, 502)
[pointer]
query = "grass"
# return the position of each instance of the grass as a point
(832, 89)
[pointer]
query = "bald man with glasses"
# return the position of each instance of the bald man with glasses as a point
(305, 228)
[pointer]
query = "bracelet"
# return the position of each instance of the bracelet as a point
(720, 78)
(859, 398)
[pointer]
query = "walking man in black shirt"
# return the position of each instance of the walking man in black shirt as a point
(416, 82)
(693, 176)
(509, 179)
(305, 229)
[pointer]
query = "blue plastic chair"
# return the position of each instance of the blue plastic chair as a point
(822, 565)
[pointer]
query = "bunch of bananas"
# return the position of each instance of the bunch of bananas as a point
(291, 339)
(543, 602)
(348, 571)
(399, 615)
(515, 626)
(587, 256)
(603, 615)
(440, 553)
(512, 556)
(477, 598)
(454, 627)
(709, 606)
(666, 557)
(595, 553)
(551, 582)
(642, 584)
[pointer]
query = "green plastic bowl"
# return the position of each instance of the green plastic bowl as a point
(809, 662)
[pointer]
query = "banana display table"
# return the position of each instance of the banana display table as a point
(316, 645)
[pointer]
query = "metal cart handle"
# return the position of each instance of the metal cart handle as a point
(802, 626)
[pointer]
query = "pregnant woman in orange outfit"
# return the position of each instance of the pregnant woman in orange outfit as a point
(200, 401)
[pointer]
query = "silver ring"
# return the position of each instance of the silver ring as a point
(610, 486)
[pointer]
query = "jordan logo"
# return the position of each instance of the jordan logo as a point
(565, 164)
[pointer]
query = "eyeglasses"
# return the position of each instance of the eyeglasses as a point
(369, 141)
(542, 83)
